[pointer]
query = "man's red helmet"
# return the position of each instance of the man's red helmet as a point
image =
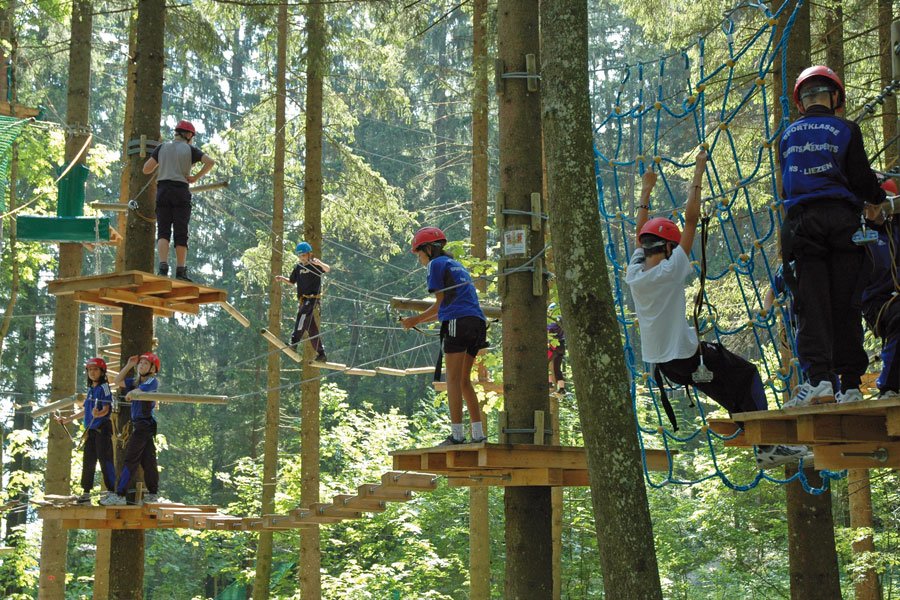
(95, 362)
(152, 359)
(186, 126)
(819, 71)
(663, 228)
(890, 187)
(427, 235)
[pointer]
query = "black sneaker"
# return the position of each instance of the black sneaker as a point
(181, 273)
(451, 441)
(163, 270)
(478, 440)
(320, 357)
(83, 499)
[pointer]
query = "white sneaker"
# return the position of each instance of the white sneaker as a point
(889, 395)
(851, 395)
(114, 500)
(774, 456)
(151, 499)
(807, 394)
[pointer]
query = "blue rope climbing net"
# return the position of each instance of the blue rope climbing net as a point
(659, 114)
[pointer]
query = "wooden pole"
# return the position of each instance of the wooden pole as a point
(556, 506)
(859, 491)
(273, 370)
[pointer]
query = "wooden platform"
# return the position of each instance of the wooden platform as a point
(163, 295)
(504, 465)
(370, 498)
(858, 435)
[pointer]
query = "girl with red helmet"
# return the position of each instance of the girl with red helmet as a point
(463, 327)
(826, 180)
(140, 450)
(174, 159)
(97, 431)
(656, 275)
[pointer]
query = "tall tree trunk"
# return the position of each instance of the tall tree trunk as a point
(859, 490)
(126, 574)
(813, 560)
(8, 34)
(479, 515)
(528, 540)
(125, 176)
(621, 513)
(833, 37)
(812, 553)
(273, 372)
(52, 582)
(316, 70)
(889, 108)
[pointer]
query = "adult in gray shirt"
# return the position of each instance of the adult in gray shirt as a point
(173, 196)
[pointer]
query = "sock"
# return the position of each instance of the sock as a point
(458, 431)
(477, 430)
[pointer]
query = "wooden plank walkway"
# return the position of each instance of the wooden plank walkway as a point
(857, 435)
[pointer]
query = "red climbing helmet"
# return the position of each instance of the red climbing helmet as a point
(427, 235)
(822, 72)
(662, 227)
(95, 362)
(890, 187)
(152, 359)
(186, 126)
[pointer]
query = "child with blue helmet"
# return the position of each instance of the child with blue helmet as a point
(307, 276)
(98, 431)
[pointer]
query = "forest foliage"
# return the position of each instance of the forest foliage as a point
(396, 156)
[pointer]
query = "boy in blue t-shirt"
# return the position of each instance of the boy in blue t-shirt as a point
(827, 178)
(140, 449)
(98, 431)
(463, 327)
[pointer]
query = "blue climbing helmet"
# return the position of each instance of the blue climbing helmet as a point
(553, 311)
(303, 248)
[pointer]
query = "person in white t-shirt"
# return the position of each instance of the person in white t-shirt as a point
(656, 276)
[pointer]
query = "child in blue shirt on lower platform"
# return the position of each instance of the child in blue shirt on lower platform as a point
(140, 449)
(98, 431)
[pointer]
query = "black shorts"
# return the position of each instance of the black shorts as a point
(173, 211)
(466, 334)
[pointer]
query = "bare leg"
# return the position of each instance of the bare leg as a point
(459, 387)
(180, 254)
(162, 246)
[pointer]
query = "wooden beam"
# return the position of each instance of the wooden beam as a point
(390, 371)
(126, 297)
(841, 428)
(491, 312)
(208, 187)
(110, 206)
(273, 339)
(58, 405)
(330, 510)
(873, 455)
(153, 287)
(360, 504)
(892, 422)
(178, 398)
(235, 314)
(354, 371)
(187, 293)
(61, 287)
(331, 366)
(21, 111)
(771, 431)
(419, 370)
(381, 492)
(410, 481)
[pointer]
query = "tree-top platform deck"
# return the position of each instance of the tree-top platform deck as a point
(486, 464)
(369, 498)
(857, 435)
(163, 295)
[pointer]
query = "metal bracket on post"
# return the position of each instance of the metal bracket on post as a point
(538, 432)
(141, 146)
(502, 422)
(143, 153)
(536, 212)
(539, 427)
(499, 84)
(499, 207)
(531, 68)
(537, 279)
